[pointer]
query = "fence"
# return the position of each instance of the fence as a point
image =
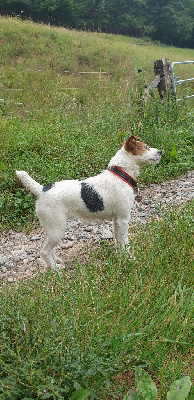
(175, 80)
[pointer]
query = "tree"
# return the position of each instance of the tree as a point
(15, 7)
(173, 20)
(56, 12)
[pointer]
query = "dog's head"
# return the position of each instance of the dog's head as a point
(141, 151)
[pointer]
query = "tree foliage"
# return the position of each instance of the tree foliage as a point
(169, 21)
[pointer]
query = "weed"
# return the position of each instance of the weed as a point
(147, 390)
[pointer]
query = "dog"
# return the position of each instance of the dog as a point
(107, 196)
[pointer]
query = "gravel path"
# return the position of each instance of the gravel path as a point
(20, 253)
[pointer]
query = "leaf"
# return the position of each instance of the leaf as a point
(77, 386)
(81, 394)
(179, 389)
(45, 396)
(173, 153)
(145, 384)
(2, 166)
(133, 396)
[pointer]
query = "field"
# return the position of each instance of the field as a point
(82, 334)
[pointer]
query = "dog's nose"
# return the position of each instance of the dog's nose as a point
(159, 152)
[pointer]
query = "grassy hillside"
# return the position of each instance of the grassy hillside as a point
(35, 57)
(56, 124)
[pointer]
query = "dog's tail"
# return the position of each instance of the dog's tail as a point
(29, 183)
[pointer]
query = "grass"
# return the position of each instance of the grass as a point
(91, 326)
(83, 327)
(57, 125)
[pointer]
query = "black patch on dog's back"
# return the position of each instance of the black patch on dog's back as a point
(48, 187)
(91, 198)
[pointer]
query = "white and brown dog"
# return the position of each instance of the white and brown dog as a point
(109, 195)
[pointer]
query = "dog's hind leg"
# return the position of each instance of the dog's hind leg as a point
(47, 252)
(55, 232)
(121, 227)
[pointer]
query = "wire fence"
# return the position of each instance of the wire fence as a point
(176, 81)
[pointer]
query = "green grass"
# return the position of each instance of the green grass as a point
(83, 327)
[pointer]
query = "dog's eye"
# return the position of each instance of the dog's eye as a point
(138, 146)
(146, 147)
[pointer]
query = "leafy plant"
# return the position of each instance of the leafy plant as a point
(80, 394)
(145, 384)
(179, 389)
(146, 388)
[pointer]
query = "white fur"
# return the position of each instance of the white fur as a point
(63, 200)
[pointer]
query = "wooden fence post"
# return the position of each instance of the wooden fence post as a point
(161, 81)
(162, 68)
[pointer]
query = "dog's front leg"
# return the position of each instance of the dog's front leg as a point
(121, 227)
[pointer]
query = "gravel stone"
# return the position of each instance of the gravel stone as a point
(35, 237)
(20, 253)
(10, 279)
(3, 260)
(10, 265)
(20, 257)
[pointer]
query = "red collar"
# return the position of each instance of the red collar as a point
(124, 176)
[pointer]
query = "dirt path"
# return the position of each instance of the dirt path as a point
(20, 253)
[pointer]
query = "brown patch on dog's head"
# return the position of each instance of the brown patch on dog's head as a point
(134, 146)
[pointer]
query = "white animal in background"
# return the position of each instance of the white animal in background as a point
(107, 196)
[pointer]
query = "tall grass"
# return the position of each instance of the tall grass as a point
(79, 329)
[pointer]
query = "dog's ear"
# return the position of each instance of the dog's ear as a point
(130, 143)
